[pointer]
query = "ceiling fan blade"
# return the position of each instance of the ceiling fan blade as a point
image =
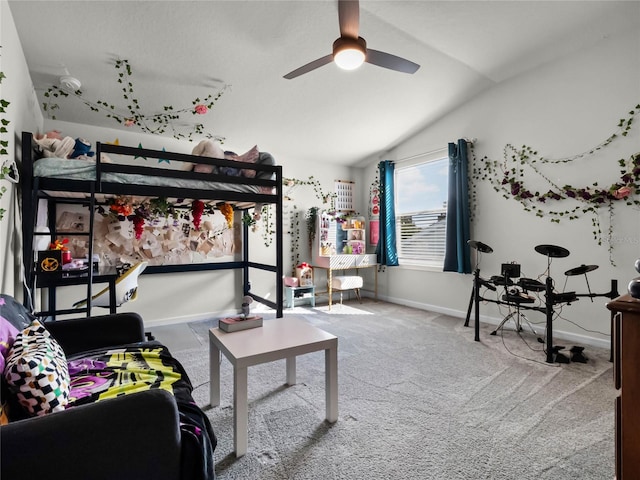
(349, 16)
(309, 67)
(391, 62)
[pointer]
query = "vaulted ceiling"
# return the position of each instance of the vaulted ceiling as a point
(182, 50)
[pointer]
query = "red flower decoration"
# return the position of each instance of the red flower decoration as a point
(197, 207)
(59, 245)
(138, 226)
(201, 109)
(622, 192)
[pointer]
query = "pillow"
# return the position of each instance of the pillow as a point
(250, 157)
(8, 335)
(203, 168)
(37, 372)
(14, 312)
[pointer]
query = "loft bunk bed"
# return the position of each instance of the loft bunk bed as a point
(94, 183)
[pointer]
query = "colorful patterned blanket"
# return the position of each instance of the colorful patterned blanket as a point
(122, 371)
(108, 373)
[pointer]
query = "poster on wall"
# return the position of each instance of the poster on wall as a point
(374, 215)
(374, 226)
(162, 241)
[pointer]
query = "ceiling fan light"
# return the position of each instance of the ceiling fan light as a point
(349, 58)
(349, 53)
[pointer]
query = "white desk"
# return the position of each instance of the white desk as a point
(346, 262)
(277, 339)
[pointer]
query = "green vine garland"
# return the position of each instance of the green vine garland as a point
(157, 123)
(294, 222)
(508, 178)
(4, 144)
(325, 198)
(311, 216)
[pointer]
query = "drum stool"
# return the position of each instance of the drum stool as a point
(516, 299)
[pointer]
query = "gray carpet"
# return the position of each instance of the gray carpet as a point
(418, 399)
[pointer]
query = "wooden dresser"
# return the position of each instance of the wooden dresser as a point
(626, 375)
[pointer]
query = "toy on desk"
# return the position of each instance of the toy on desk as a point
(246, 306)
(304, 272)
(241, 322)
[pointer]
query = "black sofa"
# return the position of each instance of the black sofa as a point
(157, 433)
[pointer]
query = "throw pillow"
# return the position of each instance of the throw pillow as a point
(8, 334)
(249, 157)
(37, 372)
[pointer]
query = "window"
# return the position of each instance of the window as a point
(421, 212)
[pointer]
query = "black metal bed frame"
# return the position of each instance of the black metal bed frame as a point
(36, 188)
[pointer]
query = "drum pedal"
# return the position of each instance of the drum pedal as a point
(559, 357)
(577, 355)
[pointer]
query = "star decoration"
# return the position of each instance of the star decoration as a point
(140, 156)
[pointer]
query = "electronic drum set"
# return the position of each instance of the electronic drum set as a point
(521, 293)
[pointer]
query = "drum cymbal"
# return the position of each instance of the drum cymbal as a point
(580, 270)
(481, 247)
(552, 251)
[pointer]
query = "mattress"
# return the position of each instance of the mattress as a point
(72, 169)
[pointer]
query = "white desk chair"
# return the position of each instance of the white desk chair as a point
(126, 289)
(342, 283)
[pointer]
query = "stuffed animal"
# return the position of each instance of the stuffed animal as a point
(207, 148)
(52, 144)
(82, 149)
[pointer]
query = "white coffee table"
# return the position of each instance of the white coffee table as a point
(278, 338)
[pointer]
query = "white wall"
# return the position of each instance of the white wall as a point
(562, 108)
(23, 113)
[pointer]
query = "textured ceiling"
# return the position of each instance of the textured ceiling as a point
(180, 50)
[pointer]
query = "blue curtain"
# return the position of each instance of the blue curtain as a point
(386, 252)
(457, 257)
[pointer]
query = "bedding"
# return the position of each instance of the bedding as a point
(71, 169)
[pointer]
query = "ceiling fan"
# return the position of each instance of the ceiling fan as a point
(350, 50)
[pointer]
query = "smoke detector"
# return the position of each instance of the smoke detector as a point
(70, 83)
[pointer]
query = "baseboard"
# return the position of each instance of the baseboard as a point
(569, 337)
(200, 317)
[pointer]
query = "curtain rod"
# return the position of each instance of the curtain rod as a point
(444, 149)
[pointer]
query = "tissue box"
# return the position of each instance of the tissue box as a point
(290, 282)
(304, 273)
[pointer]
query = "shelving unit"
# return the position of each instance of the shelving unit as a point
(292, 295)
(355, 236)
(334, 241)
